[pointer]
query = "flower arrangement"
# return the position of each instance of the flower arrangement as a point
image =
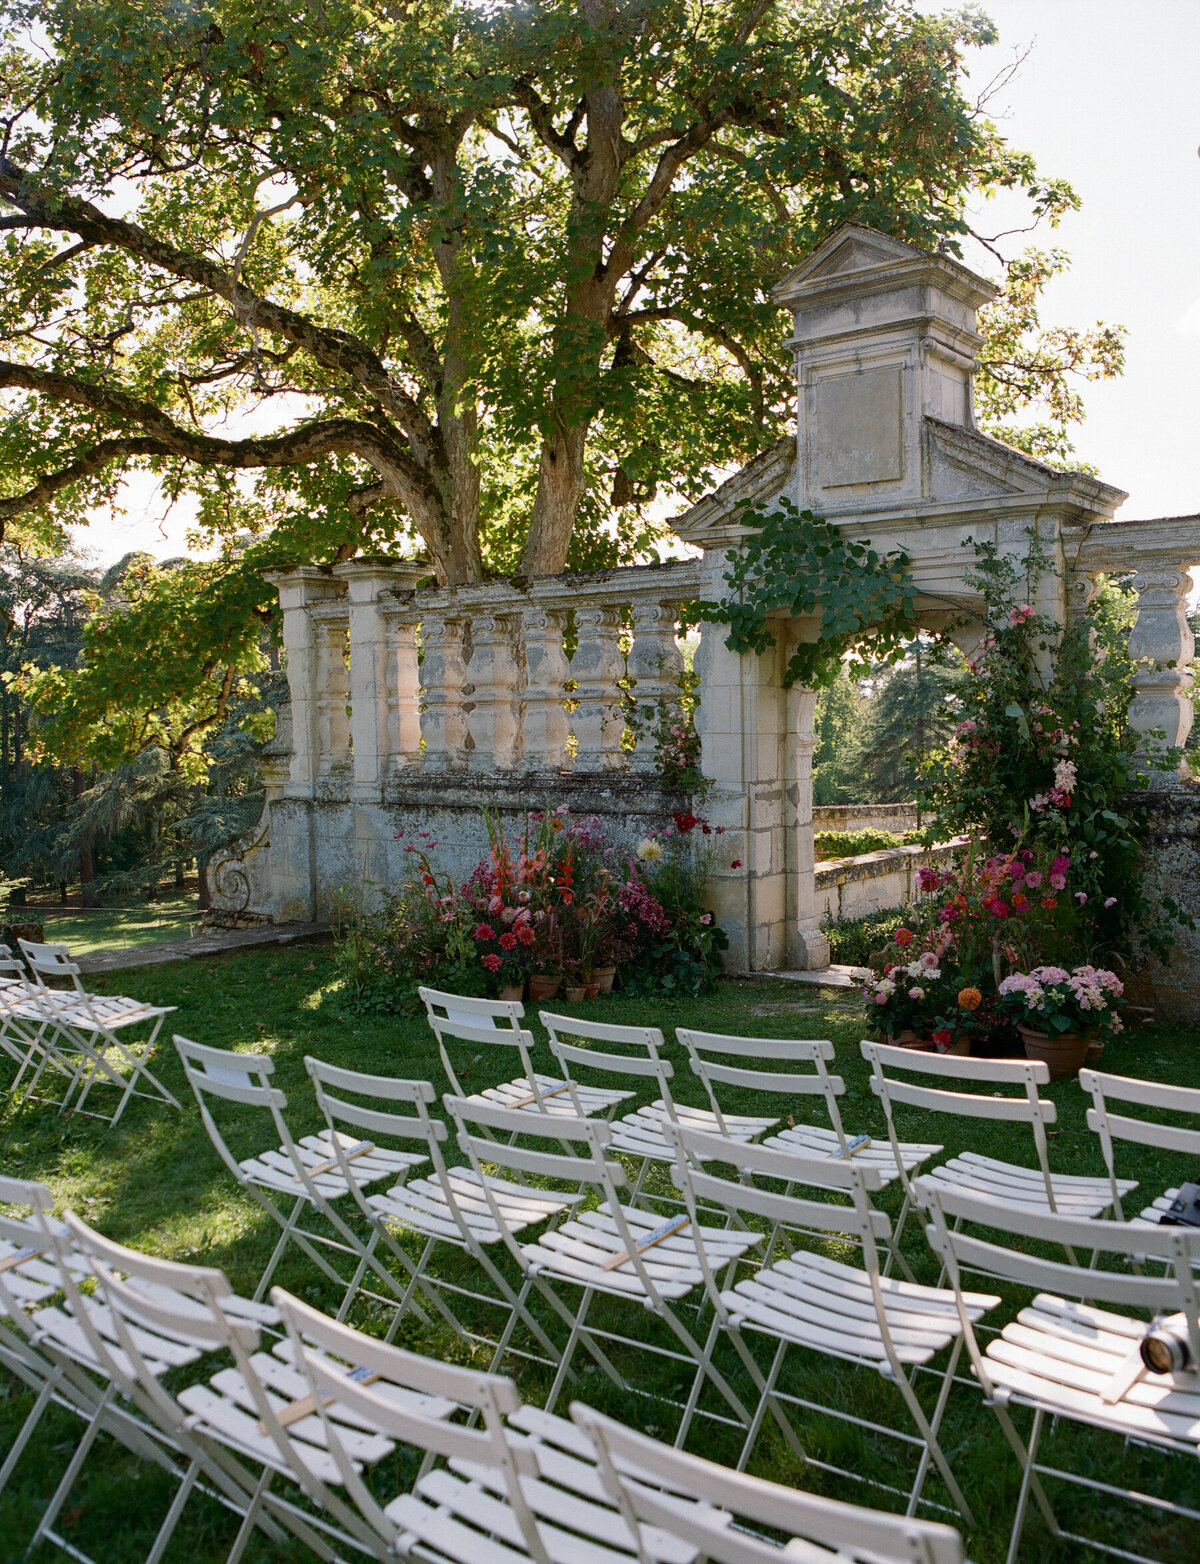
(913, 996)
(554, 900)
(1053, 1000)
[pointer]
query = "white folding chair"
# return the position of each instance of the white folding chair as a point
(1064, 1358)
(641, 1134)
(313, 1172)
(26, 1032)
(148, 1321)
(32, 1256)
(727, 1516)
(1036, 1187)
(711, 1054)
(1110, 1127)
(517, 1483)
(448, 1207)
(853, 1313)
(617, 1251)
(497, 1024)
(86, 1029)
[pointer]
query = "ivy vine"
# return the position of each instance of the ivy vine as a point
(798, 564)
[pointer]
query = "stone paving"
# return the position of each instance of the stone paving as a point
(215, 943)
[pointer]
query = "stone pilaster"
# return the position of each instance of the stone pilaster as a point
(443, 722)
(808, 947)
(299, 591)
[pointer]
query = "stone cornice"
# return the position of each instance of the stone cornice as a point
(1164, 543)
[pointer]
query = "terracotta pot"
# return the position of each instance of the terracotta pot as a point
(575, 993)
(543, 987)
(513, 991)
(604, 978)
(591, 990)
(910, 1039)
(1064, 1052)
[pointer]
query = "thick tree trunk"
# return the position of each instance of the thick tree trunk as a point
(561, 485)
(204, 900)
(87, 851)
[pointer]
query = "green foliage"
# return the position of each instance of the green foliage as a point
(854, 942)
(1044, 753)
(913, 711)
(837, 718)
(1023, 367)
(794, 563)
(847, 844)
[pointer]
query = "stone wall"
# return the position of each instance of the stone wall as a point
(1172, 868)
(853, 887)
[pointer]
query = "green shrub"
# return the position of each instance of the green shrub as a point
(848, 844)
(853, 941)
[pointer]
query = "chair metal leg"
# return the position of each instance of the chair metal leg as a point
(46, 1523)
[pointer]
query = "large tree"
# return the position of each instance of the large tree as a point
(495, 275)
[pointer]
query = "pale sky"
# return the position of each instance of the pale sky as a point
(1108, 100)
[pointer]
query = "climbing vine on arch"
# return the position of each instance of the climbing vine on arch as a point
(798, 564)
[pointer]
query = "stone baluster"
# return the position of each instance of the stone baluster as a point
(492, 713)
(654, 665)
(808, 947)
(1162, 644)
(544, 724)
(404, 695)
(597, 668)
(333, 686)
(299, 590)
(443, 722)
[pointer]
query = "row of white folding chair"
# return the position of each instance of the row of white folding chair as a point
(1064, 1358)
(526, 1484)
(328, 1401)
(80, 1036)
(81, 1354)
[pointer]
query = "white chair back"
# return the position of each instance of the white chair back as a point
(1109, 1126)
(643, 1059)
(234, 1078)
(711, 1053)
(51, 965)
(486, 1022)
(693, 1500)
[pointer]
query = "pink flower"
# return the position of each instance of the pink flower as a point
(881, 999)
(706, 917)
(495, 904)
(492, 962)
(1058, 881)
(1033, 879)
(1111, 901)
(903, 936)
(1081, 897)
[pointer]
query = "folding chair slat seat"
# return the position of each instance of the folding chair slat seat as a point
(711, 1054)
(642, 1133)
(733, 1523)
(1065, 1357)
(804, 1299)
(1109, 1126)
(86, 1032)
(299, 1170)
(516, 1484)
(658, 1270)
(26, 1033)
(1037, 1187)
(497, 1023)
(459, 1206)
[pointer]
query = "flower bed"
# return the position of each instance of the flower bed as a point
(557, 903)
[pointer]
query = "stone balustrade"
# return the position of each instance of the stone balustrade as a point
(389, 677)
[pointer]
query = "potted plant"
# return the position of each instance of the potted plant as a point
(1058, 1013)
(910, 1001)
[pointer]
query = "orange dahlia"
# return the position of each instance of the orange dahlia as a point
(970, 998)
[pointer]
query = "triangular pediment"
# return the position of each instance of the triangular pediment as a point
(719, 514)
(849, 249)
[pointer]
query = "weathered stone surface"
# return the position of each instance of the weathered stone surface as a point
(866, 817)
(853, 887)
(1172, 868)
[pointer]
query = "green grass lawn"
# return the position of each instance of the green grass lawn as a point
(114, 928)
(154, 1182)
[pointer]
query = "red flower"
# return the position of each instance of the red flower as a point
(427, 879)
(1049, 901)
(568, 897)
(736, 864)
(685, 822)
(485, 931)
(943, 1037)
(999, 909)
(492, 962)
(508, 941)
(903, 936)
(1020, 901)
(524, 933)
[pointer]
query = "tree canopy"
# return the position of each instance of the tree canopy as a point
(484, 278)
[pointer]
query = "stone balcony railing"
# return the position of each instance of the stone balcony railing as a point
(389, 678)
